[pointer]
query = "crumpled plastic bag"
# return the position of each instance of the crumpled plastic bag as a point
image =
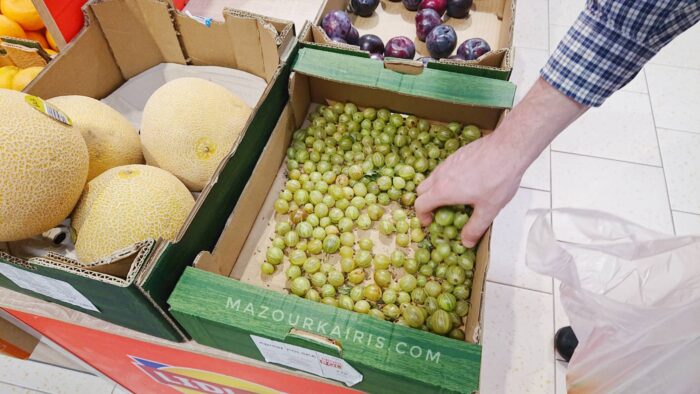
(632, 296)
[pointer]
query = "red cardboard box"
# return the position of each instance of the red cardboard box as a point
(143, 367)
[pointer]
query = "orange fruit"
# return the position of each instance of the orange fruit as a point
(10, 28)
(51, 42)
(22, 12)
(37, 36)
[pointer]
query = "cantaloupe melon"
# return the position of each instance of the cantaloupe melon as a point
(129, 204)
(189, 125)
(43, 168)
(111, 140)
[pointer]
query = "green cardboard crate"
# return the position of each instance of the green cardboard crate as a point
(224, 302)
(117, 43)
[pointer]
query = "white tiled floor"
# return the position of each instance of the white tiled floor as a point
(686, 223)
(622, 129)
(510, 230)
(682, 164)
(637, 157)
(517, 355)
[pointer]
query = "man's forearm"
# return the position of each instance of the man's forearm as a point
(535, 122)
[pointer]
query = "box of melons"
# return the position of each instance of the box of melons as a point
(122, 160)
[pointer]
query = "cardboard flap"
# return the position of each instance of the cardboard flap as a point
(299, 101)
(207, 45)
(256, 43)
(67, 74)
(140, 34)
(444, 86)
(23, 56)
(402, 66)
(33, 54)
(314, 341)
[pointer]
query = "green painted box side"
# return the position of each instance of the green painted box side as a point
(207, 225)
(222, 312)
(486, 72)
(430, 83)
(124, 306)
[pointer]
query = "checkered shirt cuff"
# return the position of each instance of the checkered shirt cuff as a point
(593, 61)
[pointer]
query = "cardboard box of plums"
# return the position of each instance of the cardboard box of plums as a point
(467, 36)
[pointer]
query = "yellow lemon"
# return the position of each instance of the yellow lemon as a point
(7, 74)
(24, 77)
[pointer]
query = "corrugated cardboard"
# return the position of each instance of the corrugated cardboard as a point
(213, 300)
(491, 20)
(23, 53)
(122, 38)
(64, 19)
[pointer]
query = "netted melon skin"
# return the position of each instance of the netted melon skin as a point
(43, 169)
(129, 204)
(189, 125)
(111, 140)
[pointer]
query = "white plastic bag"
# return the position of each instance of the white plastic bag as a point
(632, 296)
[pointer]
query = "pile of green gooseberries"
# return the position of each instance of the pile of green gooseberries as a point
(352, 172)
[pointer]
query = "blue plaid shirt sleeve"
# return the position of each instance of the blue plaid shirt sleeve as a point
(611, 41)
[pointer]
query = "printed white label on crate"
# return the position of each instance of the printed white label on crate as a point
(49, 287)
(307, 360)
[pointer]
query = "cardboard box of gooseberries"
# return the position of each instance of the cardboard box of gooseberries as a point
(491, 20)
(226, 302)
(121, 39)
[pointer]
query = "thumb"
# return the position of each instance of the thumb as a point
(425, 204)
(477, 225)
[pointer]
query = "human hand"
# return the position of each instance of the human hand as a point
(484, 174)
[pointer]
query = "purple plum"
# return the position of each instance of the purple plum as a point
(401, 47)
(473, 48)
(336, 24)
(426, 20)
(438, 5)
(376, 56)
(441, 41)
(411, 5)
(364, 7)
(371, 43)
(353, 38)
(458, 8)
